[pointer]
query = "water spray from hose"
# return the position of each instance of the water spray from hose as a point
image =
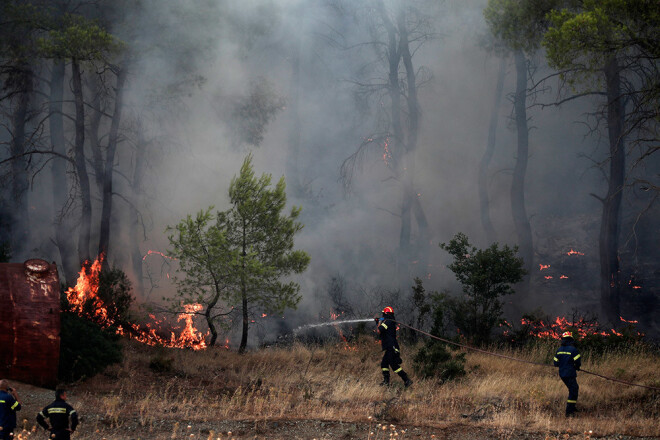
(323, 324)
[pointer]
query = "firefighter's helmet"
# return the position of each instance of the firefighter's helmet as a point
(389, 310)
(567, 335)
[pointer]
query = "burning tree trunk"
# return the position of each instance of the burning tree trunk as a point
(106, 210)
(60, 185)
(19, 165)
(523, 228)
(81, 166)
(609, 229)
(484, 201)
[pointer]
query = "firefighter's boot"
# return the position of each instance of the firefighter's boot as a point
(571, 409)
(406, 380)
(386, 378)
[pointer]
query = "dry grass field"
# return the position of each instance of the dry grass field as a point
(332, 392)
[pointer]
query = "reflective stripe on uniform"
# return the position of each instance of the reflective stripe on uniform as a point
(14, 405)
(396, 350)
(396, 371)
(576, 357)
(386, 369)
(72, 411)
(564, 352)
(556, 360)
(2, 401)
(384, 326)
(42, 414)
(57, 411)
(571, 401)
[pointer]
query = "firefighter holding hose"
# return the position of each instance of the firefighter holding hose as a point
(568, 360)
(392, 356)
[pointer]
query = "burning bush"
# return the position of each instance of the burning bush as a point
(536, 326)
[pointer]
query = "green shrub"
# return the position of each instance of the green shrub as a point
(486, 276)
(434, 360)
(85, 348)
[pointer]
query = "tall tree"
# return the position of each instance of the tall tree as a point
(80, 41)
(238, 257)
(263, 237)
(616, 43)
(519, 24)
(397, 34)
(484, 199)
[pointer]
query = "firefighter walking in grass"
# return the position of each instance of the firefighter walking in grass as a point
(389, 344)
(59, 413)
(568, 360)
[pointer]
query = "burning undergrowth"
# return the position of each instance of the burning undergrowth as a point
(107, 304)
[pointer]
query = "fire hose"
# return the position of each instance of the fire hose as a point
(467, 347)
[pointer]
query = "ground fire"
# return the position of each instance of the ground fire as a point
(84, 301)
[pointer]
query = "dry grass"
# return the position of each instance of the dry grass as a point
(336, 384)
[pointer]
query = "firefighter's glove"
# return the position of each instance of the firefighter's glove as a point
(377, 320)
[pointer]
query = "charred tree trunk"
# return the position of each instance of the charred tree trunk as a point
(414, 116)
(611, 217)
(94, 124)
(484, 200)
(60, 186)
(244, 294)
(106, 195)
(396, 144)
(81, 167)
(19, 165)
(135, 223)
(520, 220)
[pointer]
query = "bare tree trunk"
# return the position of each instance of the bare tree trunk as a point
(610, 223)
(520, 219)
(106, 210)
(20, 181)
(60, 186)
(396, 146)
(244, 335)
(414, 116)
(94, 124)
(136, 186)
(81, 167)
(484, 200)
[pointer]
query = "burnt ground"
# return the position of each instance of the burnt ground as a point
(94, 425)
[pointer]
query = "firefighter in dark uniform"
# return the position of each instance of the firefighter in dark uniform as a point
(59, 413)
(389, 344)
(568, 360)
(9, 404)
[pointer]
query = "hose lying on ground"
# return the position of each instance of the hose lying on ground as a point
(522, 360)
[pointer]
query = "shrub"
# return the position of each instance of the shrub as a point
(85, 348)
(486, 275)
(434, 360)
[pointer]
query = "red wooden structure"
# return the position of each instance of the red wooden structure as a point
(30, 322)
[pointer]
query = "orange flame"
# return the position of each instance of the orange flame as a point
(572, 252)
(554, 329)
(629, 322)
(544, 266)
(150, 252)
(563, 277)
(84, 301)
